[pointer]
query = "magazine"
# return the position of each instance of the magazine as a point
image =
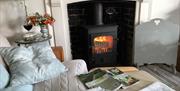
(105, 82)
(124, 78)
(110, 79)
(99, 78)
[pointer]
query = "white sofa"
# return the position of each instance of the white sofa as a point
(65, 81)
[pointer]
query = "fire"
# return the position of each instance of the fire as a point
(102, 44)
(103, 39)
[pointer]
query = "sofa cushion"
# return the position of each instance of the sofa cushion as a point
(27, 67)
(67, 81)
(4, 77)
(4, 80)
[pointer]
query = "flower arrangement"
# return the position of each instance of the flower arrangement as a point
(41, 20)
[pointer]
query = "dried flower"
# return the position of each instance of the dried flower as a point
(38, 19)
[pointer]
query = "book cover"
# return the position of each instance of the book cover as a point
(110, 79)
(124, 78)
(106, 82)
(99, 78)
(84, 78)
(114, 71)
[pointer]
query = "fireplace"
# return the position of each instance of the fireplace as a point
(102, 45)
(102, 32)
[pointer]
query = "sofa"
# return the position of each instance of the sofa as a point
(66, 81)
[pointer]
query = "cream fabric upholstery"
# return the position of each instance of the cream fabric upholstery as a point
(3, 43)
(66, 81)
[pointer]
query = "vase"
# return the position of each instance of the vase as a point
(44, 31)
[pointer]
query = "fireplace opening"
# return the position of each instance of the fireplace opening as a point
(102, 32)
(102, 44)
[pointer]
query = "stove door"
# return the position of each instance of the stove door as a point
(103, 49)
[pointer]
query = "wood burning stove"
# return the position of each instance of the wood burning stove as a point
(102, 31)
(102, 45)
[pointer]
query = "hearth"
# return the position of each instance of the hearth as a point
(102, 32)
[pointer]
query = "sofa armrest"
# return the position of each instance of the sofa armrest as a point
(66, 81)
(76, 67)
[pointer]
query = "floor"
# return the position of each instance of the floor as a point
(164, 73)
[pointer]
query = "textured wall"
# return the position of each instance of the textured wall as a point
(165, 9)
(12, 16)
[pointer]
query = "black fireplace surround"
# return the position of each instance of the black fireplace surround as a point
(102, 31)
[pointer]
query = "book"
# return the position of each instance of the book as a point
(124, 78)
(106, 82)
(114, 71)
(110, 79)
(99, 78)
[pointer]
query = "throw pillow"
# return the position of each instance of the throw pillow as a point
(4, 77)
(20, 63)
(42, 49)
(46, 60)
(28, 67)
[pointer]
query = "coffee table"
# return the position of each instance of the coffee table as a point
(144, 77)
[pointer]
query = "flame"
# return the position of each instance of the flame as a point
(103, 39)
(102, 44)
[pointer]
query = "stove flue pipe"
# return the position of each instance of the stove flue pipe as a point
(98, 17)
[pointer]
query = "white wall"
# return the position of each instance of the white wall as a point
(165, 9)
(35, 6)
(61, 27)
(72, 1)
(11, 18)
(59, 12)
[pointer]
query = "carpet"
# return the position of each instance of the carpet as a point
(164, 73)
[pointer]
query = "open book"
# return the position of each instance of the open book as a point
(124, 78)
(110, 79)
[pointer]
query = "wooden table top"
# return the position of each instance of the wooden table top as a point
(123, 69)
